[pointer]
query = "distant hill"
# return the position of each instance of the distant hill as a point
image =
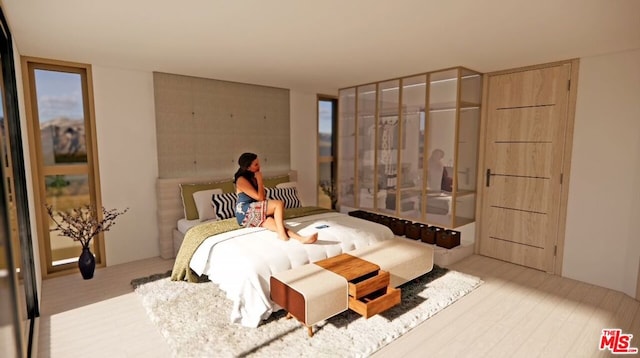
(63, 139)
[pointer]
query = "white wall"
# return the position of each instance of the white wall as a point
(602, 242)
(126, 134)
(304, 144)
(601, 246)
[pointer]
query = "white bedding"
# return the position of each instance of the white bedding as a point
(242, 261)
(184, 224)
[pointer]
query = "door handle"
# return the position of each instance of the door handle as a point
(488, 177)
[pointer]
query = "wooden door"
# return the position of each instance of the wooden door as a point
(524, 146)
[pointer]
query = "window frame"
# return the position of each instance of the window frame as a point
(29, 66)
(332, 158)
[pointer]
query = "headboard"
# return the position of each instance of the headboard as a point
(170, 208)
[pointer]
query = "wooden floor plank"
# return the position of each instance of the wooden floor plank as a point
(588, 338)
(489, 317)
(571, 329)
(468, 311)
(516, 312)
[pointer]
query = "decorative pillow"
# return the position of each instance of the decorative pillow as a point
(187, 190)
(224, 205)
(204, 204)
(288, 195)
(289, 184)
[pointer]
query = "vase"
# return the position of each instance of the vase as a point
(86, 263)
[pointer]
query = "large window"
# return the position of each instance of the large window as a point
(327, 117)
(64, 163)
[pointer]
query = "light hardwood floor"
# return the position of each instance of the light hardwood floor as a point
(517, 312)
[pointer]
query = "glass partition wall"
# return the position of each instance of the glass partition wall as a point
(346, 148)
(415, 152)
(368, 196)
(412, 125)
(388, 144)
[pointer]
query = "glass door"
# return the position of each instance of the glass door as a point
(388, 146)
(18, 286)
(346, 148)
(367, 183)
(12, 304)
(467, 151)
(441, 146)
(414, 96)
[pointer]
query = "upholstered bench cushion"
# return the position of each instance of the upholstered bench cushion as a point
(312, 294)
(319, 293)
(404, 259)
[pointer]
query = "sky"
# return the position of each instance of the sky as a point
(59, 95)
(324, 117)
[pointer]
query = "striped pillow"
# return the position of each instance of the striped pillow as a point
(224, 205)
(288, 195)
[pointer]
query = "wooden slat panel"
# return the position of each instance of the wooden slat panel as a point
(523, 124)
(523, 159)
(518, 226)
(528, 194)
(525, 129)
(516, 253)
(528, 88)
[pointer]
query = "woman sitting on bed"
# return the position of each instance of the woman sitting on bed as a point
(253, 209)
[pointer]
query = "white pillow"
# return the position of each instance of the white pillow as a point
(289, 184)
(204, 205)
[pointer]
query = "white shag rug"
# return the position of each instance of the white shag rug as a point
(194, 319)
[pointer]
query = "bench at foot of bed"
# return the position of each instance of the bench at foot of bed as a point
(364, 280)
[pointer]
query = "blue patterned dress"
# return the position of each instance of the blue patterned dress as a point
(250, 212)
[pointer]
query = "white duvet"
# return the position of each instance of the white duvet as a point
(241, 262)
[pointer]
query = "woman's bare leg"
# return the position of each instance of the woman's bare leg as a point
(303, 239)
(270, 224)
(276, 208)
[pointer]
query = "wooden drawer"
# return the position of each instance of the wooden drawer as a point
(375, 303)
(359, 289)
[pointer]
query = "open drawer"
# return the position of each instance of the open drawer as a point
(359, 289)
(375, 302)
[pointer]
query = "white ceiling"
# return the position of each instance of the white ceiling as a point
(320, 45)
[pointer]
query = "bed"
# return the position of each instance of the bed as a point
(241, 260)
(171, 210)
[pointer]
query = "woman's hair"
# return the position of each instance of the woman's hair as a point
(244, 162)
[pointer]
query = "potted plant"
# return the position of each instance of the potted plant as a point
(83, 224)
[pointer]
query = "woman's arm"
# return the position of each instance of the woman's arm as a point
(244, 186)
(259, 180)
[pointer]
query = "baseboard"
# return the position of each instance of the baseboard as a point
(445, 257)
